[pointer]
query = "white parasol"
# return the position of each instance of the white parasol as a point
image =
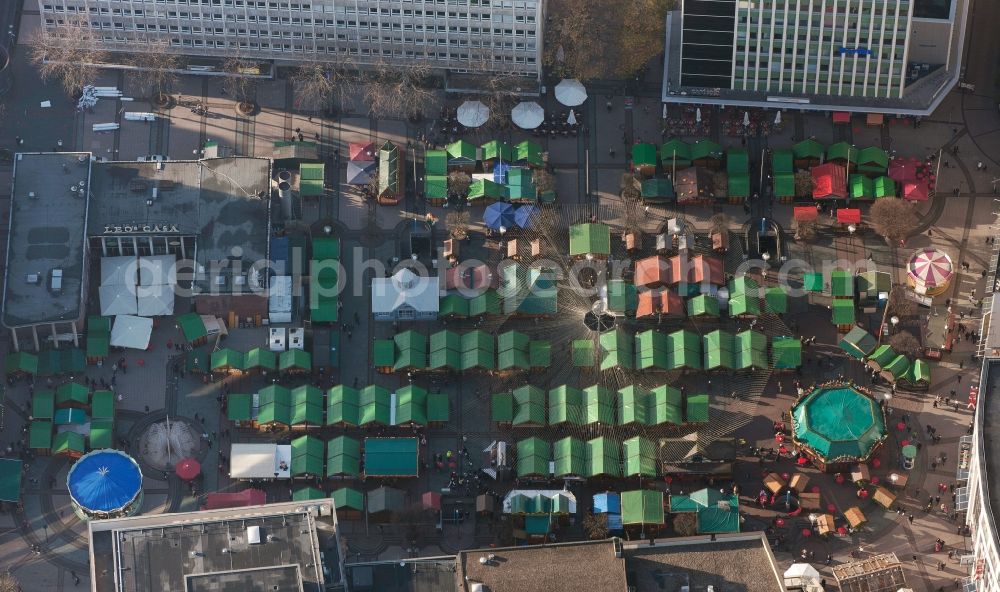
(473, 114)
(664, 110)
(746, 118)
(527, 115)
(570, 92)
(777, 118)
(572, 118)
(697, 115)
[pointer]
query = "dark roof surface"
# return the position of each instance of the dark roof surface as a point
(40, 241)
(572, 567)
(738, 562)
(266, 579)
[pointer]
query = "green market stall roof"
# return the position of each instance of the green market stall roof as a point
(843, 311)
(739, 185)
(274, 405)
(842, 151)
(343, 406)
(23, 362)
(858, 343)
(565, 406)
(529, 406)
(43, 404)
(307, 405)
(594, 238)
(623, 297)
(657, 189)
(532, 457)
(375, 404)
(239, 407)
(841, 284)
(40, 434)
(718, 347)
(776, 299)
(10, 480)
(348, 498)
(307, 456)
(808, 148)
(260, 358)
(304, 494)
(297, 359)
(311, 179)
(716, 512)
(781, 162)
(813, 281)
(643, 155)
(192, 326)
(436, 162)
(643, 506)
(101, 434)
(343, 457)
(884, 187)
(227, 359)
(786, 353)
(598, 405)
(529, 152)
(703, 305)
(737, 162)
(919, 373)
(703, 149)
(502, 407)
(892, 371)
(102, 404)
(640, 457)
(70, 416)
(882, 355)
(860, 187)
(68, 443)
(874, 157)
(750, 350)
(583, 353)
(461, 153)
(838, 424)
(391, 457)
(697, 408)
(784, 184)
(72, 393)
(617, 349)
(675, 151)
(497, 149)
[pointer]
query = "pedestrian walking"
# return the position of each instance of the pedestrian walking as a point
(910, 518)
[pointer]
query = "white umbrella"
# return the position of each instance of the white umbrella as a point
(570, 92)
(777, 118)
(528, 115)
(697, 115)
(746, 118)
(473, 114)
(664, 110)
(572, 118)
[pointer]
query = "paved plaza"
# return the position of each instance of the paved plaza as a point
(45, 543)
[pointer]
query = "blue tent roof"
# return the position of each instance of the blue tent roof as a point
(499, 214)
(607, 503)
(500, 172)
(104, 480)
(524, 216)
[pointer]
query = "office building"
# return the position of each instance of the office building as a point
(452, 35)
(878, 56)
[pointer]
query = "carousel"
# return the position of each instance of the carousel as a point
(837, 426)
(929, 271)
(105, 484)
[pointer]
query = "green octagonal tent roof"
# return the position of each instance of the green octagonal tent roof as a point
(840, 423)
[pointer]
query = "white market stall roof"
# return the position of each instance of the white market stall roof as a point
(571, 92)
(131, 332)
(260, 461)
(279, 299)
(528, 115)
(118, 299)
(405, 288)
(156, 301)
(549, 493)
(473, 114)
(118, 271)
(158, 270)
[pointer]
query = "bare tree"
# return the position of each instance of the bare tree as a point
(458, 224)
(686, 524)
(803, 184)
(502, 89)
(318, 84)
(240, 82)
(544, 180)
(630, 187)
(156, 70)
(899, 304)
(806, 230)
(399, 92)
(906, 344)
(70, 54)
(8, 583)
(596, 526)
(893, 219)
(720, 222)
(459, 183)
(603, 38)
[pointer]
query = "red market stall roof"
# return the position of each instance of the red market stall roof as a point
(875, 119)
(829, 181)
(916, 191)
(849, 216)
(904, 170)
(805, 213)
(187, 469)
(363, 151)
(841, 117)
(242, 499)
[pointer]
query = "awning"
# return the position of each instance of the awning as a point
(131, 331)
(848, 215)
(841, 117)
(875, 119)
(805, 213)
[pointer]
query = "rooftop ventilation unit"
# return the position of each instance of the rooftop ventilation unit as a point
(253, 535)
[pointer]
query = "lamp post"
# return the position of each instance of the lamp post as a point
(894, 320)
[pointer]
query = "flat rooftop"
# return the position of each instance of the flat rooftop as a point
(566, 567)
(426, 574)
(731, 562)
(223, 201)
(40, 242)
(989, 397)
(211, 551)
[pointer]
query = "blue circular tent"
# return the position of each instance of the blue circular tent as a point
(105, 484)
(499, 214)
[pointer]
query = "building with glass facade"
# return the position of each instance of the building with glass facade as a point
(852, 55)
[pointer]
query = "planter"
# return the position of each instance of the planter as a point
(162, 100)
(246, 108)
